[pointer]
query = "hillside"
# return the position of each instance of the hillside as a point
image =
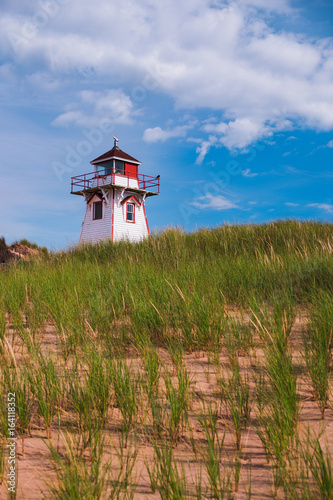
(204, 358)
(5, 254)
(19, 250)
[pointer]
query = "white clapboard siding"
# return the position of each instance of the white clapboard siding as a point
(127, 182)
(101, 181)
(95, 230)
(130, 231)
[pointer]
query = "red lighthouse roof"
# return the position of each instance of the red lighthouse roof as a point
(117, 154)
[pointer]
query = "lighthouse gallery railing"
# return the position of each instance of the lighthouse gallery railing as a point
(96, 179)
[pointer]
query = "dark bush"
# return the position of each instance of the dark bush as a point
(5, 254)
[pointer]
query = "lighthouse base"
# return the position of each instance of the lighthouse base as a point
(114, 214)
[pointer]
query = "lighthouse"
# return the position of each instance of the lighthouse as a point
(115, 194)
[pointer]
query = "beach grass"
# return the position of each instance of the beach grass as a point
(107, 339)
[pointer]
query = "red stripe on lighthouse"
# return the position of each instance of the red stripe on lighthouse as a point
(112, 227)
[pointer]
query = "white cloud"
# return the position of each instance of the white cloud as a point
(247, 173)
(322, 206)
(157, 134)
(44, 81)
(211, 202)
(329, 144)
(227, 58)
(291, 204)
(239, 133)
(113, 105)
(204, 147)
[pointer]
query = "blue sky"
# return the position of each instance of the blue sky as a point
(231, 102)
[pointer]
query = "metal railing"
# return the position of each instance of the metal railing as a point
(100, 179)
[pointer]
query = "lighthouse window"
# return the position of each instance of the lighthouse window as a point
(119, 167)
(100, 169)
(98, 210)
(108, 165)
(130, 212)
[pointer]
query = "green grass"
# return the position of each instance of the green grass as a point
(77, 477)
(125, 396)
(177, 396)
(235, 394)
(211, 453)
(126, 319)
(45, 385)
(165, 476)
(320, 465)
(175, 284)
(318, 343)
(279, 411)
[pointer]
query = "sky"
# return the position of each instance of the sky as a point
(230, 102)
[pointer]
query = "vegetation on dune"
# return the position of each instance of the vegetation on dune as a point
(126, 318)
(26, 243)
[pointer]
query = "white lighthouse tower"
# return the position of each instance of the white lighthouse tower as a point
(115, 195)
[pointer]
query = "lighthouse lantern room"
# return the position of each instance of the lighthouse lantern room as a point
(115, 195)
